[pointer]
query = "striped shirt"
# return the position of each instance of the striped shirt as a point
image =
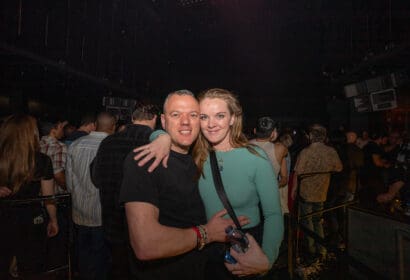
(86, 204)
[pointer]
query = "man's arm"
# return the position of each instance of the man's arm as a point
(47, 188)
(151, 240)
(283, 173)
(59, 177)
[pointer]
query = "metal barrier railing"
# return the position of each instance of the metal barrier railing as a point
(60, 199)
(295, 226)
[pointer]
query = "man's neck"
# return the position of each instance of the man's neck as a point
(262, 139)
(143, 122)
(51, 135)
(180, 150)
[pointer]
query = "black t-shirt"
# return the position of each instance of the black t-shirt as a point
(369, 150)
(75, 135)
(174, 191)
(43, 171)
(106, 174)
(23, 213)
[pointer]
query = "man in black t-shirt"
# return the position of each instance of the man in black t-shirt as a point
(372, 174)
(164, 209)
(106, 175)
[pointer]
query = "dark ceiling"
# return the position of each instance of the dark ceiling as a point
(269, 52)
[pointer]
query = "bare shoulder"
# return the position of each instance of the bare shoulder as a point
(281, 149)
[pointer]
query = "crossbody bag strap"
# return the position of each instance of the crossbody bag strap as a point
(220, 189)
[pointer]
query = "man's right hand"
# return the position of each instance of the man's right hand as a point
(216, 226)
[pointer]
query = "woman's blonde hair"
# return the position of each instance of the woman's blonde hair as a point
(237, 139)
(19, 142)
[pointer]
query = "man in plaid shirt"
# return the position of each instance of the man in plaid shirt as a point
(56, 150)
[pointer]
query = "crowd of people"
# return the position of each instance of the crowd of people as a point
(144, 200)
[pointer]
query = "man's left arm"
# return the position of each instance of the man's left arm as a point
(338, 166)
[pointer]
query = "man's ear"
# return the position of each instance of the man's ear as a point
(274, 135)
(163, 121)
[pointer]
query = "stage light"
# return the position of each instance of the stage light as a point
(188, 3)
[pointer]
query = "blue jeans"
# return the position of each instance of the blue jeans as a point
(92, 252)
(314, 224)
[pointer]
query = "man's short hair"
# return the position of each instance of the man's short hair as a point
(317, 133)
(180, 92)
(265, 126)
(45, 127)
(87, 119)
(144, 111)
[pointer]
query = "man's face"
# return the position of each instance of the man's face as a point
(181, 121)
(351, 137)
(59, 130)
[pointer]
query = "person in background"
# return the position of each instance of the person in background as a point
(51, 145)
(363, 139)
(373, 174)
(25, 173)
(221, 131)
(287, 141)
(87, 125)
(316, 158)
(68, 130)
(266, 132)
(92, 253)
(107, 174)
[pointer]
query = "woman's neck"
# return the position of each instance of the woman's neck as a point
(223, 147)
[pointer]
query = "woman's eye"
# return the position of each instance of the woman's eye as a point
(203, 117)
(220, 116)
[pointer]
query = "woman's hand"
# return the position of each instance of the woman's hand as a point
(52, 228)
(158, 149)
(4, 191)
(252, 262)
(216, 226)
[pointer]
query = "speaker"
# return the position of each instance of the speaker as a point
(374, 84)
(355, 89)
(383, 100)
(362, 103)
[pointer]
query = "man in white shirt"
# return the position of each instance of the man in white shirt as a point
(92, 253)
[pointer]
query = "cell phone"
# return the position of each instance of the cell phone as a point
(238, 239)
(228, 258)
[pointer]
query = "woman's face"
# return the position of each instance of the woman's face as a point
(216, 121)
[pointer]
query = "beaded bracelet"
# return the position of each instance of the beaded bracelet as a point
(199, 237)
(204, 234)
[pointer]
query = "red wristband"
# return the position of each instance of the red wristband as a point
(198, 234)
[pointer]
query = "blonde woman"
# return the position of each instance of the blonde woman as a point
(24, 173)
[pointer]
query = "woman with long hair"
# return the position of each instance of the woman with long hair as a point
(24, 173)
(246, 172)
